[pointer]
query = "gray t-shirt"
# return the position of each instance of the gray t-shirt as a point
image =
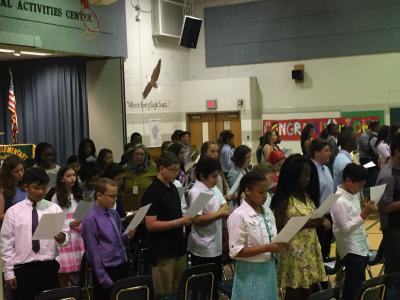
(391, 176)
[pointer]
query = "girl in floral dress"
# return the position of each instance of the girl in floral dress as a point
(67, 196)
(297, 194)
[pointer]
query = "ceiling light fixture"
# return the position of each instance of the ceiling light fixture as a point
(17, 54)
(35, 53)
(7, 51)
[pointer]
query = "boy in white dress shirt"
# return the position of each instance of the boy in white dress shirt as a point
(29, 265)
(349, 230)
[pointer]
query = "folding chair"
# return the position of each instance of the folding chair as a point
(138, 288)
(375, 257)
(198, 282)
(68, 293)
(373, 289)
(85, 278)
(329, 294)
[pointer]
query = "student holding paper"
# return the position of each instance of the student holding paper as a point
(104, 240)
(349, 230)
(297, 194)
(29, 265)
(251, 231)
(205, 239)
(164, 223)
(68, 194)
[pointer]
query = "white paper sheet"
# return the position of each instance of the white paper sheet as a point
(49, 226)
(371, 164)
(235, 186)
(83, 208)
(376, 192)
(291, 229)
(198, 204)
(325, 206)
(181, 191)
(189, 165)
(227, 125)
(138, 218)
(155, 132)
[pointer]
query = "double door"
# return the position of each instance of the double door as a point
(207, 127)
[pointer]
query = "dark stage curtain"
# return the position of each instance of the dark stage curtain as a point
(51, 103)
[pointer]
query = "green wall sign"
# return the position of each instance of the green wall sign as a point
(58, 25)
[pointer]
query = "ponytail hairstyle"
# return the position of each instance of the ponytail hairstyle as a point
(63, 196)
(249, 180)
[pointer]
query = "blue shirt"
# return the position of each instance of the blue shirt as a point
(225, 158)
(20, 195)
(341, 161)
(326, 186)
(102, 245)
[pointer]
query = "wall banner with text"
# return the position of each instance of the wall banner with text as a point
(290, 130)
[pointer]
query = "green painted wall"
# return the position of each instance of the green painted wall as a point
(56, 25)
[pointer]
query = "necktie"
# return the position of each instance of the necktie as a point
(118, 233)
(35, 222)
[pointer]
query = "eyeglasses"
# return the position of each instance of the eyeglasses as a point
(110, 196)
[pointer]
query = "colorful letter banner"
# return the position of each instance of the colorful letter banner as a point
(290, 130)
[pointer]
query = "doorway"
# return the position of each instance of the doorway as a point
(207, 127)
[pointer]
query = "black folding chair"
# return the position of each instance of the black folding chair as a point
(198, 282)
(85, 278)
(225, 287)
(329, 294)
(138, 288)
(375, 257)
(373, 289)
(68, 293)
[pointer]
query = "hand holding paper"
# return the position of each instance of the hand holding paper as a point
(50, 225)
(198, 204)
(376, 192)
(138, 218)
(292, 227)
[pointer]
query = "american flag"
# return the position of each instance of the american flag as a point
(12, 107)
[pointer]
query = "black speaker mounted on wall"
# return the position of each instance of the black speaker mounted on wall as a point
(190, 32)
(298, 75)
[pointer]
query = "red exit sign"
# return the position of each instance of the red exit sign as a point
(211, 104)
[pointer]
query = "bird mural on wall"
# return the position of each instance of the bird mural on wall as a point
(153, 80)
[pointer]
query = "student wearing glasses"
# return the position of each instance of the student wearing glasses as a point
(104, 240)
(164, 224)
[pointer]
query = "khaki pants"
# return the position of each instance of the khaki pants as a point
(167, 274)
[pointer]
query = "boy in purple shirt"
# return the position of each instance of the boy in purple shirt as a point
(104, 240)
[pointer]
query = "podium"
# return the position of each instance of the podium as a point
(24, 151)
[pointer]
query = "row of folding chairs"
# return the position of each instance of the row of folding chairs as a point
(371, 289)
(198, 282)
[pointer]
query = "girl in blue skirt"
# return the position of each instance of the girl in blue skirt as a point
(251, 230)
